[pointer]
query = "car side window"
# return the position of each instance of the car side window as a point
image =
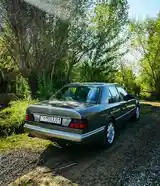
(114, 93)
(122, 92)
(106, 95)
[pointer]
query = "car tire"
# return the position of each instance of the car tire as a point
(109, 134)
(136, 114)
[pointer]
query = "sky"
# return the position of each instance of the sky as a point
(139, 9)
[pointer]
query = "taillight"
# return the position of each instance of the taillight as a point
(29, 117)
(79, 124)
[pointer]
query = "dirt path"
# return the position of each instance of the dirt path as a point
(133, 160)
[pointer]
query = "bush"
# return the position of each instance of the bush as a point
(12, 117)
(45, 87)
(22, 88)
(5, 99)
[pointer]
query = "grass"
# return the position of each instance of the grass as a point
(145, 109)
(36, 177)
(22, 141)
(148, 107)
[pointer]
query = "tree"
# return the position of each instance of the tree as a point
(8, 71)
(37, 40)
(107, 34)
(31, 37)
(126, 77)
(146, 40)
(46, 48)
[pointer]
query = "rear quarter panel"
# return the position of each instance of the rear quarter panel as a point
(94, 115)
(99, 114)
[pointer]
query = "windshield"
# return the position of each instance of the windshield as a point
(86, 94)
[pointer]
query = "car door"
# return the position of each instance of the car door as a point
(129, 105)
(116, 104)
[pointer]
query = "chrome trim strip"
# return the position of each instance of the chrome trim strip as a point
(61, 134)
(125, 113)
(88, 134)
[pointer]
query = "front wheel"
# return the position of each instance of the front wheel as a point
(136, 114)
(109, 134)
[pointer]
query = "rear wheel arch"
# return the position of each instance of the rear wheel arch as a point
(105, 142)
(112, 118)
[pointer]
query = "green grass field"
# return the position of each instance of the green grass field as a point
(22, 141)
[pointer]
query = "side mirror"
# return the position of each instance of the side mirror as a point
(110, 100)
(128, 97)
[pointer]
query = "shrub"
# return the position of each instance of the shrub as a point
(45, 87)
(12, 117)
(145, 95)
(6, 98)
(22, 88)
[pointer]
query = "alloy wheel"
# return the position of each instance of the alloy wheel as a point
(110, 133)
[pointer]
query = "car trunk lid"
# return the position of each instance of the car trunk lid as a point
(69, 109)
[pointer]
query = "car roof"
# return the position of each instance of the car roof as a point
(97, 84)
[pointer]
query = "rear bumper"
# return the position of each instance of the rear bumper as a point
(50, 133)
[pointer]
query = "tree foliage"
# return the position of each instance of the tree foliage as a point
(147, 42)
(49, 51)
(126, 77)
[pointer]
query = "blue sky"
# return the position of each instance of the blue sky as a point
(139, 9)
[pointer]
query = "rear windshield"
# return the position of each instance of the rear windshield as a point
(88, 94)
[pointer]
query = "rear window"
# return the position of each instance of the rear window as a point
(88, 94)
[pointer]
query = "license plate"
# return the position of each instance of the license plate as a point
(49, 119)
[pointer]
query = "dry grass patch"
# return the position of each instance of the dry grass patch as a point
(39, 177)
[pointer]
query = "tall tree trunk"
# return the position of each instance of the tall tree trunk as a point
(33, 84)
(69, 73)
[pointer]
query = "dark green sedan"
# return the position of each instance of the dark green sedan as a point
(82, 113)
